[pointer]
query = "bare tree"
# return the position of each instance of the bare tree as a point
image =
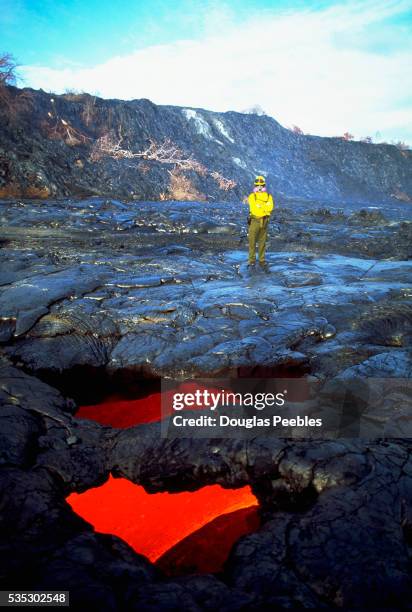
(8, 68)
(168, 153)
(165, 152)
(296, 130)
(108, 146)
(12, 103)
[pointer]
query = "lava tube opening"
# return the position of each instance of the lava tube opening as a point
(155, 523)
(182, 532)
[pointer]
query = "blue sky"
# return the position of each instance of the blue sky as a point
(50, 32)
(326, 66)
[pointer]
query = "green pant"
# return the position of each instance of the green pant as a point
(258, 232)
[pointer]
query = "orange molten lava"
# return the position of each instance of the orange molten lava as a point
(154, 523)
(121, 413)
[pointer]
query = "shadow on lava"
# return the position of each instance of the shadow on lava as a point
(92, 385)
(207, 549)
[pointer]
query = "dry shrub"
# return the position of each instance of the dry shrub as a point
(74, 95)
(37, 192)
(56, 128)
(109, 146)
(224, 183)
(166, 152)
(14, 190)
(192, 164)
(182, 188)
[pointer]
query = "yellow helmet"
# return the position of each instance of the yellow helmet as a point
(260, 181)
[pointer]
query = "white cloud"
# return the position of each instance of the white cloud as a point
(295, 65)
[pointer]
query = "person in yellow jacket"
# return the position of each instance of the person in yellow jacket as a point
(260, 208)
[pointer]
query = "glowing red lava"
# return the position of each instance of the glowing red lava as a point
(121, 413)
(154, 523)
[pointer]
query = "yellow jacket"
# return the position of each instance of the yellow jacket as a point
(260, 204)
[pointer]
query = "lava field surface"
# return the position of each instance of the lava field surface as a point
(98, 296)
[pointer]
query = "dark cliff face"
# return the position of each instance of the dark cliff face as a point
(48, 148)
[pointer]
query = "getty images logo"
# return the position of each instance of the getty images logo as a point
(203, 398)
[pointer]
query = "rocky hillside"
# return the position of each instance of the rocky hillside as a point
(80, 145)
